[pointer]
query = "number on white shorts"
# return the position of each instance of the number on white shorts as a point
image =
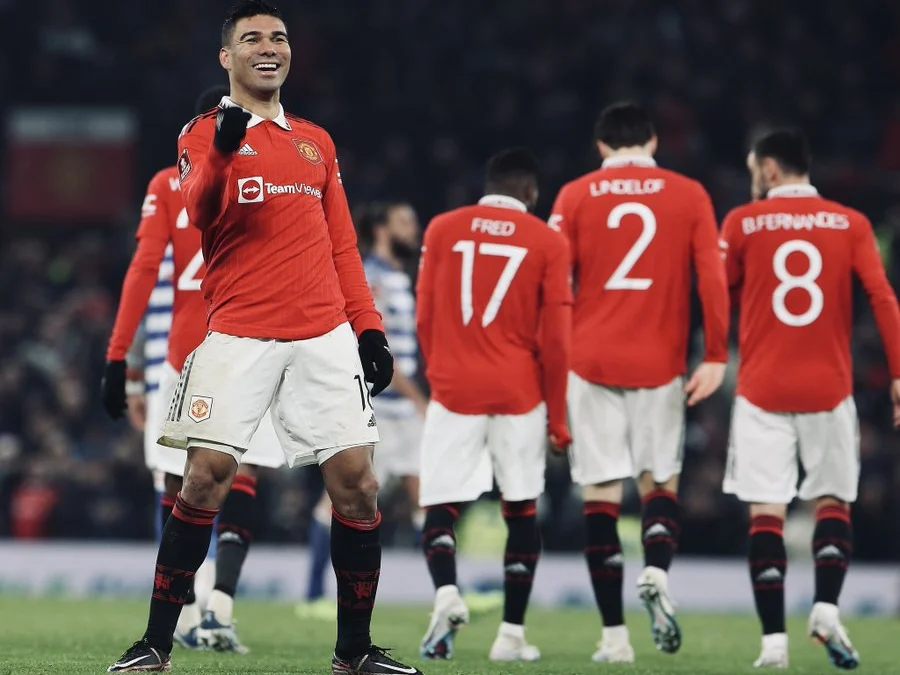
(620, 281)
(805, 281)
(514, 254)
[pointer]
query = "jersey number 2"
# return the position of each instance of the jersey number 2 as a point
(514, 255)
(620, 281)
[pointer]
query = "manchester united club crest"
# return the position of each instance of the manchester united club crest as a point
(308, 150)
(200, 409)
(184, 165)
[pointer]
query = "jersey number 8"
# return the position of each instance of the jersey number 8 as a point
(805, 282)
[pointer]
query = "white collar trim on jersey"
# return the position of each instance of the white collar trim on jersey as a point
(503, 202)
(793, 190)
(280, 120)
(626, 160)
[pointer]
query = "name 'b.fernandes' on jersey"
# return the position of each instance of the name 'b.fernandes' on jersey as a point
(790, 260)
(636, 232)
(493, 310)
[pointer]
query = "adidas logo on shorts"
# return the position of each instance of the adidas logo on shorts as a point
(371, 421)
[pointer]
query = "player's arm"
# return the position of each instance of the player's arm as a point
(360, 306)
(713, 289)
(143, 271)
(556, 339)
(868, 266)
(562, 219)
(205, 160)
(731, 243)
(425, 292)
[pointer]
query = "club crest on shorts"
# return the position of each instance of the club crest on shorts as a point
(200, 408)
(308, 150)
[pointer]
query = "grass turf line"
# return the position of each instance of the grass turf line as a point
(80, 637)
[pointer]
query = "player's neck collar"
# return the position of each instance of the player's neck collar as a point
(627, 160)
(793, 190)
(280, 120)
(503, 202)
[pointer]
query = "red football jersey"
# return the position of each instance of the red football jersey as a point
(488, 275)
(278, 240)
(636, 231)
(792, 258)
(164, 220)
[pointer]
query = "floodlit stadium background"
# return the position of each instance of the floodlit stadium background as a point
(417, 94)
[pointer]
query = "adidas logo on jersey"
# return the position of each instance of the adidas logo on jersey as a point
(246, 150)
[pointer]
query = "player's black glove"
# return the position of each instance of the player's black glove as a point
(112, 389)
(231, 125)
(377, 360)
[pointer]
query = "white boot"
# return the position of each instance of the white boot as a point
(510, 645)
(614, 646)
(825, 627)
(653, 590)
(449, 615)
(774, 652)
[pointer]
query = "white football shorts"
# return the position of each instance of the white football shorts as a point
(314, 390)
(621, 433)
(765, 450)
(463, 454)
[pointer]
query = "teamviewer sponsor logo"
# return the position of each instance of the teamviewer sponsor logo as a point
(250, 190)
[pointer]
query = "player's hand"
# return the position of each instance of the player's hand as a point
(560, 439)
(895, 401)
(231, 126)
(704, 382)
(112, 389)
(377, 360)
(137, 411)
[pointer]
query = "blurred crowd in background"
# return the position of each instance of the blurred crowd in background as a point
(417, 96)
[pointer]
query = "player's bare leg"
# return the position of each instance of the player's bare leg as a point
(237, 525)
(660, 529)
(603, 551)
(523, 549)
(768, 566)
(450, 612)
(356, 557)
(832, 547)
(185, 541)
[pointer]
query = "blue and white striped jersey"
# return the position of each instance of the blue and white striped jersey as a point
(393, 293)
(158, 322)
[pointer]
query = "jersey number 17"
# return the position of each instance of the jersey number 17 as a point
(514, 255)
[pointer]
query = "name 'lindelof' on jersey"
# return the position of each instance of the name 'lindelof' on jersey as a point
(636, 232)
(791, 259)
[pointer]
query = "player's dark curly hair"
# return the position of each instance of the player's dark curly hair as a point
(210, 98)
(625, 124)
(372, 215)
(788, 146)
(244, 9)
(511, 164)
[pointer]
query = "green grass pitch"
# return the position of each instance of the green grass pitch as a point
(60, 637)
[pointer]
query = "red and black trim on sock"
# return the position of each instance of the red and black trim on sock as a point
(603, 552)
(660, 528)
(439, 543)
(832, 548)
(768, 567)
(237, 524)
(184, 543)
(356, 558)
(523, 550)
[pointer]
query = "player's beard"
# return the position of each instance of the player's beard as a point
(404, 250)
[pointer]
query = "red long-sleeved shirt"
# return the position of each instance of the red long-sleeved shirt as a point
(278, 240)
(792, 258)
(493, 311)
(636, 232)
